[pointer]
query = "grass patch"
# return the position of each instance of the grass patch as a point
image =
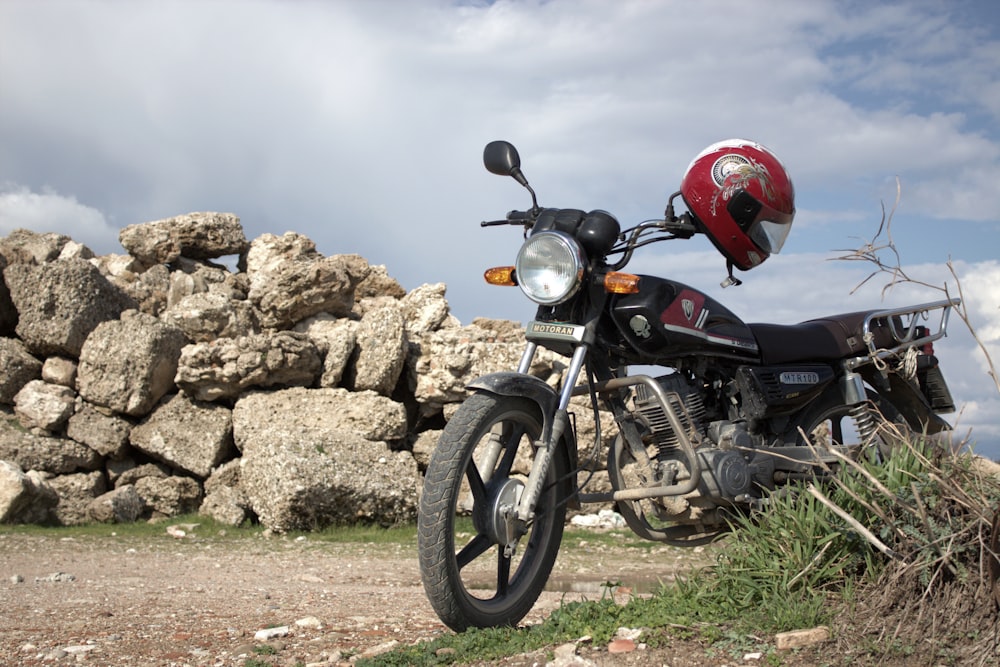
(206, 529)
(139, 529)
(893, 556)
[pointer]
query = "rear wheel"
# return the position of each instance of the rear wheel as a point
(487, 570)
(875, 427)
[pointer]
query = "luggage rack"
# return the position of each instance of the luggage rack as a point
(904, 324)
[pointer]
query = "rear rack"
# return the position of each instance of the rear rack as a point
(904, 326)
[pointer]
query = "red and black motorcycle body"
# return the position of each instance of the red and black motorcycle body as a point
(668, 320)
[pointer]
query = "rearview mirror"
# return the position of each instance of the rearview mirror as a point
(501, 158)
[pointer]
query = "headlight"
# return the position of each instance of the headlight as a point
(549, 267)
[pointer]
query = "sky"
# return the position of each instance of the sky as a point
(361, 124)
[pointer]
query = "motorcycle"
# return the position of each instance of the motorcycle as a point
(739, 410)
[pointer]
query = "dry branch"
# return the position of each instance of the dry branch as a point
(854, 523)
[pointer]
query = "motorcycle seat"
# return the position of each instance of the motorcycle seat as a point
(823, 339)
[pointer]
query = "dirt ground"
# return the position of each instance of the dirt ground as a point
(171, 601)
(207, 600)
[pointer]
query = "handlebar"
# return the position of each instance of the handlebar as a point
(645, 233)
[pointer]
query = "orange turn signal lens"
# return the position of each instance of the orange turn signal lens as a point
(500, 275)
(621, 283)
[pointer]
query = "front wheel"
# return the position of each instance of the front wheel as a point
(485, 570)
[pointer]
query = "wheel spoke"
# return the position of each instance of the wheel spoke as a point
(475, 483)
(479, 545)
(510, 451)
(503, 572)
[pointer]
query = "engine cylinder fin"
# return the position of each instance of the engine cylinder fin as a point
(686, 403)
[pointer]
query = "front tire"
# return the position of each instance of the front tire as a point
(469, 579)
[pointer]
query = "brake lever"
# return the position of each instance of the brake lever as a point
(523, 218)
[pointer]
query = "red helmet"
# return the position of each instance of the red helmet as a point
(742, 198)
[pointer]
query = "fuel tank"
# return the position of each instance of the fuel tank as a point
(668, 320)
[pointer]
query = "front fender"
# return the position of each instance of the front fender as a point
(517, 384)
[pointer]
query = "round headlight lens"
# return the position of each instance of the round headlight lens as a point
(549, 267)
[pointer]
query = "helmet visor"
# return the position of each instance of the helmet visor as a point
(767, 227)
(770, 236)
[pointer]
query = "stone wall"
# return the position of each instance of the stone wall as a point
(297, 390)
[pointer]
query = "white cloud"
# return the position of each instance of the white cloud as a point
(49, 211)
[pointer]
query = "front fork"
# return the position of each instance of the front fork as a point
(545, 446)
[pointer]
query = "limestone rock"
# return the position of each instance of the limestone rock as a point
(314, 457)
(196, 277)
(225, 500)
(180, 363)
(586, 431)
(128, 365)
(118, 466)
(226, 475)
(24, 498)
(118, 266)
(18, 368)
(799, 638)
(54, 455)
(381, 350)
(187, 435)
(149, 288)
(320, 412)
(76, 492)
(500, 331)
(59, 370)
(335, 339)
(107, 434)
(226, 505)
(227, 366)
(425, 309)
(169, 496)
(290, 280)
(23, 246)
(60, 303)
(206, 316)
(377, 283)
(40, 405)
(424, 446)
(136, 472)
(121, 505)
(194, 235)
(308, 479)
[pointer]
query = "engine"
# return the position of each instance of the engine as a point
(725, 448)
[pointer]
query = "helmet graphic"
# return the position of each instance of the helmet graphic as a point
(742, 198)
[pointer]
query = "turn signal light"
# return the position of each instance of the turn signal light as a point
(621, 283)
(500, 275)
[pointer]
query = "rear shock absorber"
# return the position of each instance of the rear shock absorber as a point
(853, 389)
